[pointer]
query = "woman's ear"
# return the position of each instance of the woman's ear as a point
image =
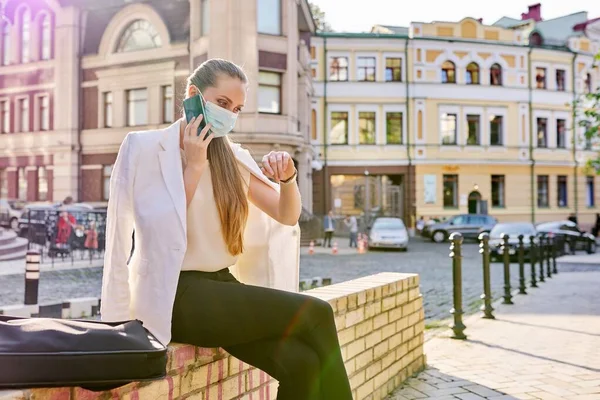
(192, 91)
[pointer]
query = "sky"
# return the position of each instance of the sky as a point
(361, 15)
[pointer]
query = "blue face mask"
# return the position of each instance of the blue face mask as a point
(221, 119)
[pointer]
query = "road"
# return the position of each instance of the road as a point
(427, 259)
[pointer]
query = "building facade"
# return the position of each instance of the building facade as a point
(77, 76)
(442, 118)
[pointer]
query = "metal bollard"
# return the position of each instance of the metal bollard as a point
(484, 246)
(506, 256)
(32, 276)
(532, 251)
(541, 258)
(553, 255)
(522, 287)
(458, 327)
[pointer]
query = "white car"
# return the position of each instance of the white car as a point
(10, 212)
(388, 233)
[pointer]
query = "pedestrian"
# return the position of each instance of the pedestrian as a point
(352, 225)
(204, 271)
(420, 224)
(328, 228)
(91, 238)
(596, 227)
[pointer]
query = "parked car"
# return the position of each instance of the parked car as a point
(388, 233)
(10, 212)
(469, 225)
(513, 230)
(570, 238)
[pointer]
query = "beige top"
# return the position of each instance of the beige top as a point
(206, 249)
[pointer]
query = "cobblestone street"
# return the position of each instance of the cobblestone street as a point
(427, 259)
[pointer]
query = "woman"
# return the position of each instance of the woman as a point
(196, 201)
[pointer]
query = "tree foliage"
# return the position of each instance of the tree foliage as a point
(319, 17)
(588, 114)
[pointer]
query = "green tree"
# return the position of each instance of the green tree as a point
(319, 17)
(587, 109)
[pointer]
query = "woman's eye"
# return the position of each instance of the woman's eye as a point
(222, 103)
(237, 110)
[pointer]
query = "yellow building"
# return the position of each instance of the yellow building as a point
(442, 118)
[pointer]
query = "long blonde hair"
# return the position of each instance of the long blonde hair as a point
(228, 187)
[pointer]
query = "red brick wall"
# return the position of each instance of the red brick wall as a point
(90, 108)
(32, 185)
(99, 159)
(91, 187)
(12, 184)
(50, 176)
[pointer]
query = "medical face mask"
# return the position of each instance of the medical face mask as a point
(222, 120)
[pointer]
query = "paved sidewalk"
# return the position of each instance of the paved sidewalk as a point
(546, 346)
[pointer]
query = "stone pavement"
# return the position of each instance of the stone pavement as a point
(546, 346)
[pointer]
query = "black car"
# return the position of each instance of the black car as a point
(513, 230)
(568, 236)
(468, 225)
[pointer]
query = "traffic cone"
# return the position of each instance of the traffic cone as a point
(334, 249)
(360, 246)
(311, 248)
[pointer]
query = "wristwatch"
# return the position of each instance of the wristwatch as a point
(290, 179)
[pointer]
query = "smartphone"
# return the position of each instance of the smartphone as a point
(194, 107)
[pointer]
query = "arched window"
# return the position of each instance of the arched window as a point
(5, 43)
(45, 41)
(448, 72)
(535, 39)
(139, 35)
(496, 75)
(473, 74)
(25, 35)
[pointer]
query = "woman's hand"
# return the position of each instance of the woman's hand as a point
(195, 146)
(278, 165)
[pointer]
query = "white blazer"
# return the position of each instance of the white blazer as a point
(147, 193)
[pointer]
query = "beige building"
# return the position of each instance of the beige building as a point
(441, 118)
(106, 68)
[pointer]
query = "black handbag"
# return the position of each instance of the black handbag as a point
(49, 352)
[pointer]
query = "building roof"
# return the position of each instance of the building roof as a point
(391, 29)
(508, 22)
(558, 30)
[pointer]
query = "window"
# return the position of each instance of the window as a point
(561, 191)
(473, 74)
(448, 72)
(108, 109)
(5, 116)
(393, 127)
(313, 124)
(540, 78)
(588, 83)
(560, 80)
(366, 69)
(24, 115)
(46, 38)
(139, 35)
(269, 17)
(473, 126)
(590, 192)
(339, 128)
(542, 191)
(393, 69)
(42, 176)
(205, 22)
(496, 130)
(498, 191)
(313, 53)
(6, 43)
(496, 75)
(3, 183)
(137, 107)
(588, 135)
(338, 69)
(451, 191)
(269, 92)
(25, 35)
(167, 100)
(366, 127)
(561, 140)
(542, 132)
(44, 113)
(21, 184)
(106, 172)
(449, 131)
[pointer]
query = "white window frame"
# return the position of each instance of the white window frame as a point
(367, 108)
(340, 108)
(334, 54)
(18, 127)
(550, 75)
(500, 112)
(361, 54)
(445, 109)
(7, 101)
(465, 134)
(37, 115)
(568, 135)
(394, 108)
(549, 131)
(402, 57)
(280, 19)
